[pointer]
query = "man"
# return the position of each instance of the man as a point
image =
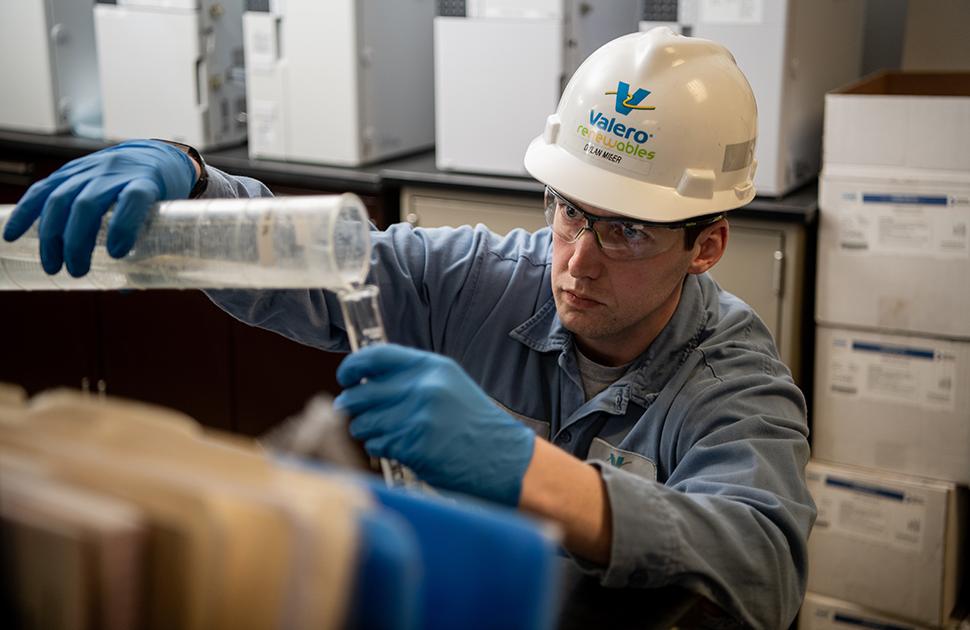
(671, 439)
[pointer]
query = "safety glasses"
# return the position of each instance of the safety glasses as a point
(620, 239)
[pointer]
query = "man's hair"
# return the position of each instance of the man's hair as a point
(692, 232)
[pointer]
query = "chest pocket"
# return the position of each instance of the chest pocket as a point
(602, 451)
(540, 427)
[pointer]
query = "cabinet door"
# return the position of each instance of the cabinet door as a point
(500, 213)
(764, 265)
(170, 348)
(274, 377)
(48, 339)
(752, 269)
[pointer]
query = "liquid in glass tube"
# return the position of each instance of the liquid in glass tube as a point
(298, 242)
(362, 315)
(362, 318)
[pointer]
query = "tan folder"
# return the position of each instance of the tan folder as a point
(83, 546)
(263, 544)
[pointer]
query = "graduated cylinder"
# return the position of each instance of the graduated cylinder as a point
(268, 242)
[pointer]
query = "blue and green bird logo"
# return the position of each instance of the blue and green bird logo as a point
(617, 460)
(626, 102)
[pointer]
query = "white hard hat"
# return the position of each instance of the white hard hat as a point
(654, 126)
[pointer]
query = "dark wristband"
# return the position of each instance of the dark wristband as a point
(203, 181)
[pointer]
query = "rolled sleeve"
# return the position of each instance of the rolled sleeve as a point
(224, 186)
(731, 521)
(643, 543)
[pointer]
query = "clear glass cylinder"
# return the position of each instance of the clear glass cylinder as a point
(362, 316)
(320, 241)
(361, 307)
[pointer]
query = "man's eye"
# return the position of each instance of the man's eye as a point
(633, 232)
(571, 213)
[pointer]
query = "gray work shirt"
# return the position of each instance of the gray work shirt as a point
(702, 443)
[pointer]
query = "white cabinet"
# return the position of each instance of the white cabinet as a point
(764, 265)
(427, 207)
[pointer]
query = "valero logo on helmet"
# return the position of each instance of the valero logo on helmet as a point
(609, 139)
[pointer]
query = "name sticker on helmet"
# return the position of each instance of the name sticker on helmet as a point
(619, 137)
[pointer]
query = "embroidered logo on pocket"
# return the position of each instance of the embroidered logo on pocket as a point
(618, 460)
(603, 451)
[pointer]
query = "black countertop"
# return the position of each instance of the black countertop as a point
(800, 206)
(236, 160)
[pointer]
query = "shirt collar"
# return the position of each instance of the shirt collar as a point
(544, 332)
(679, 338)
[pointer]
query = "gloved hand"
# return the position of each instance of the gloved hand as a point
(72, 200)
(424, 411)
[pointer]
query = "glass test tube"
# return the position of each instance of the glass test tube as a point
(320, 241)
(362, 317)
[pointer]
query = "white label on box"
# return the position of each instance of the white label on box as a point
(866, 511)
(893, 373)
(826, 618)
(908, 225)
(730, 11)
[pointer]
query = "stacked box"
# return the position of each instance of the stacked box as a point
(894, 234)
(894, 253)
(828, 613)
(887, 542)
(892, 384)
(893, 402)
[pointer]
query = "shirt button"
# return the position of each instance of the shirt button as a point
(565, 437)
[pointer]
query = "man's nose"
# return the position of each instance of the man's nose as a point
(587, 258)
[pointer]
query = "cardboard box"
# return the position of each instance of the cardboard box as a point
(894, 251)
(887, 542)
(898, 403)
(828, 613)
(894, 237)
(900, 120)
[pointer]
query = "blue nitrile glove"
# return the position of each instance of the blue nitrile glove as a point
(424, 411)
(72, 200)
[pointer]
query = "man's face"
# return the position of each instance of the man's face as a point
(615, 308)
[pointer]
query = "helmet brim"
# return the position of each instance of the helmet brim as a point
(554, 166)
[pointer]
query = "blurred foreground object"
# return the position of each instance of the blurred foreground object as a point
(319, 432)
(101, 495)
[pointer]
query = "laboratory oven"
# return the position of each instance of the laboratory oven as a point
(172, 69)
(500, 68)
(345, 82)
(792, 52)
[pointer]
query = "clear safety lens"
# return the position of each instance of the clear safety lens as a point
(620, 239)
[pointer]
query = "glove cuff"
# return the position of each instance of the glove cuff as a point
(515, 461)
(176, 181)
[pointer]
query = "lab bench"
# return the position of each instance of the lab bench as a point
(176, 348)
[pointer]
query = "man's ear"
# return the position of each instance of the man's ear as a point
(709, 247)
